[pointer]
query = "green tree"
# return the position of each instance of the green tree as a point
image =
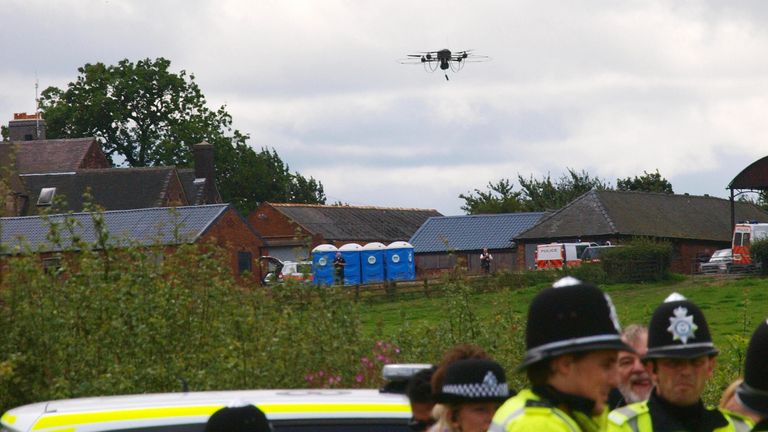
(499, 198)
(648, 182)
(146, 115)
(544, 194)
(535, 194)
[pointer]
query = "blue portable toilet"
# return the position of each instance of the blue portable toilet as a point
(400, 263)
(352, 268)
(372, 259)
(322, 264)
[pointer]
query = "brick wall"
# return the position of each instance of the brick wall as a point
(232, 233)
(94, 157)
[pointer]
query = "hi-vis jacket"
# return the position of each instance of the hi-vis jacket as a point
(637, 417)
(528, 412)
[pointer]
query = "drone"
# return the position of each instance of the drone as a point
(444, 59)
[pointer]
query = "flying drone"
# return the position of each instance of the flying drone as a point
(444, 59)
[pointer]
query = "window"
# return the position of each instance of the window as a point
(46, 196)
(244, 262)
(51, 265)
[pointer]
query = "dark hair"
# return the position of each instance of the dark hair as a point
(419, 387)
(459, 352)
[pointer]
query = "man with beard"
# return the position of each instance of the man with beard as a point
(634, 382)
(680, 359)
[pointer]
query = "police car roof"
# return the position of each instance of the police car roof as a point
(170, 408)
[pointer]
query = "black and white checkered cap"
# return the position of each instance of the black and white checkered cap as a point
(473, 380)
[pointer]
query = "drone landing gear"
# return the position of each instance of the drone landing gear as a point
(446, 77)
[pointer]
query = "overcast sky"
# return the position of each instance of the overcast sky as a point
(610, 87)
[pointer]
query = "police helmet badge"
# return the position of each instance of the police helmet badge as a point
(681, 325)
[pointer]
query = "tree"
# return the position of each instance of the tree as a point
(145, 115)
(652, 182)
(541, 195)
(535, 195)
(500, 198)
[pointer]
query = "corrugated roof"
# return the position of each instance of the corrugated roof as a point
(145, 227)
(357, 223)
(604, 213)
(471, 232)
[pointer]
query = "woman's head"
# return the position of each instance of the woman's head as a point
(472, 391)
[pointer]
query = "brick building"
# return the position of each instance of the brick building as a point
(218, 224)
(292, 230)
(696, 226)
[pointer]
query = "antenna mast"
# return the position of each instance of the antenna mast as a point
(37, 108)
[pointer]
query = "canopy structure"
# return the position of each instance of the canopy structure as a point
(753, 178)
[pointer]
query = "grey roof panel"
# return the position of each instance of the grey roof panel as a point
(609, 213)
(472, 232)
(144, 227)
(357, 223)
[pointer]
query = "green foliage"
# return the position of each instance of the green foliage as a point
(758, 251)
(642, 259)
(648, 182)
(500, 198)
(535, 195)
(146, 115)
(544, 194)
(589, 272)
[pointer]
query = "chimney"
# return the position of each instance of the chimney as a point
(26, 127)
(205, 169)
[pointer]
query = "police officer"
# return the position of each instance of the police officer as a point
(572, 343)
(753, 391)
(680, 359)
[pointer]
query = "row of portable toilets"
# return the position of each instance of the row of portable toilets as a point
(371, 263)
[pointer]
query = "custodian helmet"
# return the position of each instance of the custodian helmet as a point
(678, 329)
(572, 316)
(753, 391)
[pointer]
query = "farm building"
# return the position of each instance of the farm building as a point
(293, 230)
(219, 224)
(696, 226)
(443, 241)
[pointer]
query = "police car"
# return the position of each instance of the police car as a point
(287, 410)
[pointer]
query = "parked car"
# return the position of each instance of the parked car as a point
(592, 253)
(276, 271)
(720, 262)
(315, 410)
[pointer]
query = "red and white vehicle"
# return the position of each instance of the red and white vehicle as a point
(559, 255)
(743, 235)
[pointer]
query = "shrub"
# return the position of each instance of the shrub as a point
(758, 252)
(640, 260)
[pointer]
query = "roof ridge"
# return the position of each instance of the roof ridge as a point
(603, 211)
(347, 206)
(139, 210)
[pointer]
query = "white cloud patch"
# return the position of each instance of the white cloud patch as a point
(616, 88)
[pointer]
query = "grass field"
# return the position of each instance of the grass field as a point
(733, 307)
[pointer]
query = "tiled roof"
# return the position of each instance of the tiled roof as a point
(194, 190)
(471, 232)
(357, 223)
(660, 215)
(47, 156)
(111, 188)
(144, 227)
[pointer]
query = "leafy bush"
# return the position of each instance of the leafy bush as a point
(642, 259)
(758, 252)
(589, 272)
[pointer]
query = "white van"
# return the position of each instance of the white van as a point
(559, 255)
